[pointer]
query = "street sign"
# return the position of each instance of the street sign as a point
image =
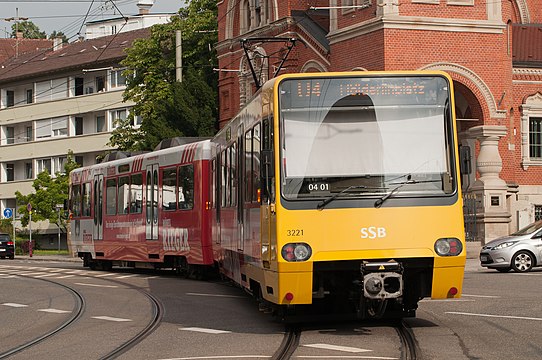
(29, 207)
(8, 213)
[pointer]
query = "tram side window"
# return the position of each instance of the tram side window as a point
(212, 185)
(111, 196)
(256, 163)
(169, 184)
(136, 194)
(86, 199)
(223, 179)
(186, 187)
(233, 174)
(248, 166)
(122, 195)
(76, 200)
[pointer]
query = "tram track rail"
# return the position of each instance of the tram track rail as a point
(157, 312)
(288, 345)
(156, 319)
(79, 309)
(409, 346)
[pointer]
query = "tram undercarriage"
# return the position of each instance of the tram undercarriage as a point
(372, 289)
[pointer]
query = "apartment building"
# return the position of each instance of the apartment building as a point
(59, 100)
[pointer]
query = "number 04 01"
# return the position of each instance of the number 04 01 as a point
(319, 187)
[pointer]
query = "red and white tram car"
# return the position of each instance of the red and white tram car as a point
(150, 210)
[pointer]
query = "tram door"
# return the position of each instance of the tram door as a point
(97, 232)
(151, 203)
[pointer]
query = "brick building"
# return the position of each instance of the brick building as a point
(491, 49)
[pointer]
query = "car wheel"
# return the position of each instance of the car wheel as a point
(522, 261)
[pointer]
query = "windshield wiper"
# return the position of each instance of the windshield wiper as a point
(409, 181)
(324, 202)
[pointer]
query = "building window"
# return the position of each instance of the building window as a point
(10, 98)
(100, 83)
(28, 170)
(58, 164)
(537, 212)
(245, 16)
(78, 125)
(59, 127)
(100, 124)
(79, 160)
(117, 79)
(79, 86)
(29, 96)
(51, 128)
(29, 133)
(43, 164)
(10, 135)
(535, 137)
(117, 116)
(10, 172)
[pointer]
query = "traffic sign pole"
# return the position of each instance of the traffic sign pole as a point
(29, 208)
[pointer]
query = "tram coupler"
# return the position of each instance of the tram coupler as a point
(382, 280)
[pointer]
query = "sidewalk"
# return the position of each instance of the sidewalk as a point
(61, 258)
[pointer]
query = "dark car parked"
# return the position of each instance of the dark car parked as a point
(7, 247)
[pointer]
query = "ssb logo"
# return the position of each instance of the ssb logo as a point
(373, 232)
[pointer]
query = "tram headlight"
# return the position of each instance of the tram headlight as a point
(296, 252)
(448, 247)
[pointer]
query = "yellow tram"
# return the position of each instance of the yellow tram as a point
(342, 190)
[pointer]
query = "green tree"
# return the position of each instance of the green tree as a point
(29, 30)
(59, 34)
(152, 85)
(48, 192)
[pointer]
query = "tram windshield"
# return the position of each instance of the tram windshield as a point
(366, 136)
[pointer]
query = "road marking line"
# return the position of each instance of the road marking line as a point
(495, 316)
(45, 275)
(65, 277)
(54, 311)
(203, 330)
(347, 357)
(338, 348)
(109, 318)
(482, 296)
(126, 276)
(221, 357)
(97, 285)
(444, 300)
(214, 295)
(104, 275)
(15, 305)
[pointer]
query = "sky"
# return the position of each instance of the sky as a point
(68, 16)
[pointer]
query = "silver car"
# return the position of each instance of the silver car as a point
(520, 251)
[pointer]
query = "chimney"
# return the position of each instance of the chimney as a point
(57, 43)
(145, 6)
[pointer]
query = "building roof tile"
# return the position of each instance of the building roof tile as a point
(76, 55)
